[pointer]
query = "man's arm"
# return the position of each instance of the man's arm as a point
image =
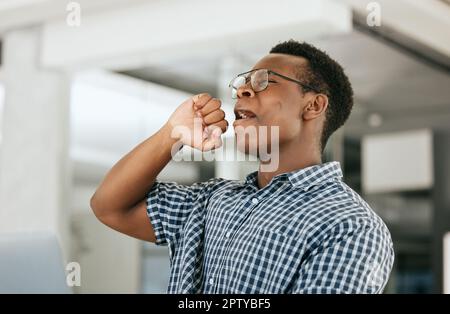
(119, 202)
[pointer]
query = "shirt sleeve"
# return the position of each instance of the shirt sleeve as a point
(169, 205)
(356, 257)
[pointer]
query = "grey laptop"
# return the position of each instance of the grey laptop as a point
(31, 263)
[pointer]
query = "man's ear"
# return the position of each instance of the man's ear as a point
(315, 107)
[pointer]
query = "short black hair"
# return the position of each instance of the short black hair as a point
(325, 75)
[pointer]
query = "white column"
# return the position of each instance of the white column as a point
(34, 163)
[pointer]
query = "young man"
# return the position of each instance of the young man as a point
(297, 228)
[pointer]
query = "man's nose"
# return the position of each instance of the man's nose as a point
(245, 91)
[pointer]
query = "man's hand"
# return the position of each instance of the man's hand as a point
(198, 122)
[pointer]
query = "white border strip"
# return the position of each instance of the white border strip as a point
(446, 254)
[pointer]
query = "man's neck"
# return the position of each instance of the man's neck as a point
(291, 157)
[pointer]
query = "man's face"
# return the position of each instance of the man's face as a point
(280, 105)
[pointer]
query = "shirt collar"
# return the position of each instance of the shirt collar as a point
(305, 178)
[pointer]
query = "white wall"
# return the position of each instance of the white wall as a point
(397, 161)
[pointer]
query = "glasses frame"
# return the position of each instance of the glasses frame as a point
(305, 86)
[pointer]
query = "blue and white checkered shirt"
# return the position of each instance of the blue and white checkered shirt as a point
(305, 232)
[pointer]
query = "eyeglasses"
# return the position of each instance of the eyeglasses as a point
(259, 80)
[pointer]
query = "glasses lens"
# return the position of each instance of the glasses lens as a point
(238, 82)
(235, 84)
(259, 80)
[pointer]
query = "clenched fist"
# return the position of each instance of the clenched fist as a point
(199, 122)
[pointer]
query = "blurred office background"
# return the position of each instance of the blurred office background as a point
(77, 92)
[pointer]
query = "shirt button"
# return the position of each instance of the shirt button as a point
(228, 234)
(255, 200)
(211, 281)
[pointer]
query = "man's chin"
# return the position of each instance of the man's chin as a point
(251, 149)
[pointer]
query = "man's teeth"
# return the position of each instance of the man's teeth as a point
(244, 116)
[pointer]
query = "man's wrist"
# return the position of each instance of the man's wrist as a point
(169, 137)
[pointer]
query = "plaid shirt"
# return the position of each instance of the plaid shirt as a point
(305, 232)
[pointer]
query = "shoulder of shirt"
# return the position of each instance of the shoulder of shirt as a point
(349, 214)
(348, 205)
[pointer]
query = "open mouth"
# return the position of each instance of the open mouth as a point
(244, 115)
